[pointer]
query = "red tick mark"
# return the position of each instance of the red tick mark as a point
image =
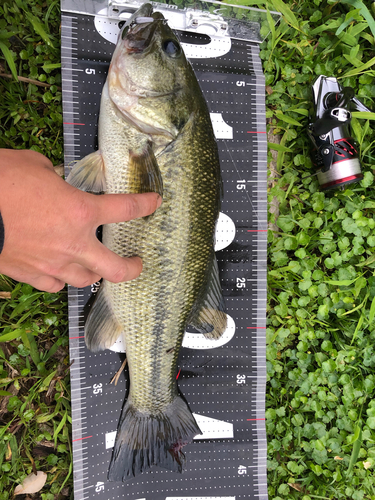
(80, 439)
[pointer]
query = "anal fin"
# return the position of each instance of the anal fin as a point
(102, 328)
(208, 315)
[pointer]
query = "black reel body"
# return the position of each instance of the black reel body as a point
(334, 153)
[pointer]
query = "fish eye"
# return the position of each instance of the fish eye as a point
(126, 29)
(172, 48)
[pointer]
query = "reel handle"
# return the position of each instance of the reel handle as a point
(332, 118)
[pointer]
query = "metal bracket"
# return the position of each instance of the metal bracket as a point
(179, 18)
(119, 9)
(211, 23)
(209, 17)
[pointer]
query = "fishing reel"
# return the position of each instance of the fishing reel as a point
(334, 153)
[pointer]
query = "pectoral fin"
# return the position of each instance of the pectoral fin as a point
(208, 316)
(89, 174)
(145, 172)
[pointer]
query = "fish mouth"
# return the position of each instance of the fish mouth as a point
(137, 36)
(140, 36)
(144, 11)
(138, 32)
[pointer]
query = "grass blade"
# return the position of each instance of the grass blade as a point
(281, 116)
(279, 147)
(50, 66)
(59, 427)
(368, 261)
(363, 10)
(10, 336)
(286, 12)
(359, 324)
(363, 115)
(9, 59)
(26, 304)
(360, 69)
(67, 477)
(39, 28)
(372, 312)
(34, 351)
(341, 282)
(271, 25)
(356, 448)
(5, 393)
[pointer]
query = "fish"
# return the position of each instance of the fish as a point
(155, 134)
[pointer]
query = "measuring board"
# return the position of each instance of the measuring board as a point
(223, 380)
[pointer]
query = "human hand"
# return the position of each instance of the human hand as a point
(50, 226)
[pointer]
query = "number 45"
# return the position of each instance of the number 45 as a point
(99, 487)
(242, 470)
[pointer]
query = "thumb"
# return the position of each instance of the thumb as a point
(113, 208)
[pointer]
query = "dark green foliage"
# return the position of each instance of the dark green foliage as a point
(34, 388)
(321, 330)
(30, 114)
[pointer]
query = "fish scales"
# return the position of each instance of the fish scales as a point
(155, 134)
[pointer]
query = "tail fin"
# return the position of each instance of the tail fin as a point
(144, 440)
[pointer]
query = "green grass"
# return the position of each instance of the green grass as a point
(34, 386)
(321, 307)
(30, 113)
(320, 355)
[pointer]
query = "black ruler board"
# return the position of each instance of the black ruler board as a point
(223, 381)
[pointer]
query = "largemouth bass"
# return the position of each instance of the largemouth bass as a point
(155, 134)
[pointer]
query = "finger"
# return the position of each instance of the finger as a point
(78, 276)
(123, 207)
(110, 266)
(47, 284)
